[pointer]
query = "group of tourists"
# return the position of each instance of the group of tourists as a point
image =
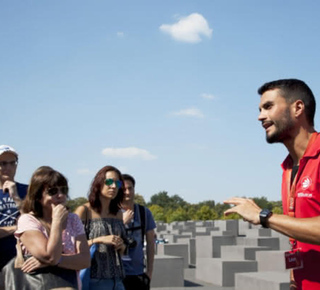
(45, 246)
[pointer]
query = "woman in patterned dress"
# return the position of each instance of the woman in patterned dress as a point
(104, 227)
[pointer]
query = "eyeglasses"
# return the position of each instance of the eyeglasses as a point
(6, 163)
(110, 181)
(55, 190)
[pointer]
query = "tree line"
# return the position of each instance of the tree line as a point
(167, 208)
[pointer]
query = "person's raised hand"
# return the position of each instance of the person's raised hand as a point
(245, 207)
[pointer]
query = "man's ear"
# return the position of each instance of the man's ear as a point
(298, 107)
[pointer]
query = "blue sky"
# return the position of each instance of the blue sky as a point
(163, 90)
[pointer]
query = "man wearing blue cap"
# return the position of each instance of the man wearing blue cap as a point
(11, 195)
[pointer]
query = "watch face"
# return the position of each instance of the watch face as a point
(265, 213)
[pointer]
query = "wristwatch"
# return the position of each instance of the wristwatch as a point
(264, 216)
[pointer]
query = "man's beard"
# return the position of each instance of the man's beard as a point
(283, 129)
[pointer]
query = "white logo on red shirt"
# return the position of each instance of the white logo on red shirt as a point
(303, 194)
(306, 182)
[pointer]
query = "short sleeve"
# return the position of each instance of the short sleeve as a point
(77, 225)
(150, 224)
(28, 222)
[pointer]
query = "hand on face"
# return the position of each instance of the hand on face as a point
(245, 207)
(59, 213)
(11, 188)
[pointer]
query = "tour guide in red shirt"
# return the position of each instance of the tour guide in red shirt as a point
(287, 109)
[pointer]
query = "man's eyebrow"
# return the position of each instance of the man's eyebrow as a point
(266, 104)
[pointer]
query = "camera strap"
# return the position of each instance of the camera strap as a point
(142, 226)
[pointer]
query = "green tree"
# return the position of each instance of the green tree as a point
(220, 208)
(232, 216)
(262, 202)
(158, 213)
(179, 214)
(139, 199)
(167, 202)
(277, 210)
(206, 213)
(161, 199)
(210, 203)
(176, 201)
(72, 204)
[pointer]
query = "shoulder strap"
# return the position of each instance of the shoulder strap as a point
(86, 225)
(142, 213)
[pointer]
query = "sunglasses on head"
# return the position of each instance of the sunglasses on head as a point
(110, 181)
(55, 190)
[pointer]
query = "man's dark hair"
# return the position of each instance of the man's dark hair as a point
(293, 90)
(130, 178)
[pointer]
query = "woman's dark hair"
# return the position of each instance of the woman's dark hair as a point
(95, 191)
(41, 179)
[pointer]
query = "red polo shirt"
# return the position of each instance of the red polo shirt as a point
(307, 204)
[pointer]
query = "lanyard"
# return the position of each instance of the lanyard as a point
(292, 187)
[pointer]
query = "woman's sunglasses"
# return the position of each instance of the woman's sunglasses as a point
(110, 181)
(55, 190)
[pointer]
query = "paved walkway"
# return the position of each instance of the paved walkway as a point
(191, 283)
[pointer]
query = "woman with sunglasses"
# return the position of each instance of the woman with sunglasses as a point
(47, 231)
(104, 227)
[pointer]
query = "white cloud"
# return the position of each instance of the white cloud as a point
(120, 34)
(207, 96)
(191, 112)
(188, 29)
(128, 152)
(84, 171)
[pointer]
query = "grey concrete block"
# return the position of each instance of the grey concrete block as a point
(222, 272)
(258, 232)
(233, 227)
(270, 242)
(177, 250)
(210, 246)
(167, 272)
(243, 227)
(175, 238)
(221, 224)
(169, 237)
(283, 241)
(160, 226)
(192, 248)
(262, 281)
(271, 261)
(241, 252)
(205, 231)
(273, 243)
(191, 232)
